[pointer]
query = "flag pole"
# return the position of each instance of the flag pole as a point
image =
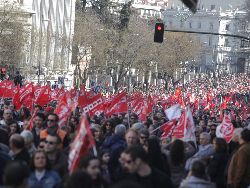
(94, 151)
(172, 131)
(129, 109)
(157, 128)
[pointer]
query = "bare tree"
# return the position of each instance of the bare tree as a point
(88, 31)
(176, 50)
(13, 34)
(127, 42)
(123, 49)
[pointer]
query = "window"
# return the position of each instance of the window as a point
(190, 25)
(227, 27)
(211, 26)
(226, 44)
(242, 43)
(199, 25)
(210, 41)
(170, 23)
(212, 7)
(243, 26)
(182, 24)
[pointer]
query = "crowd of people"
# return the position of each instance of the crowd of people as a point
(129, 152)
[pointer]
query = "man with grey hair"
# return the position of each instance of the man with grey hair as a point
(29, 141)
(205, 150)
(120, 130)
(116, 144)
(234, 143)
(138, 126)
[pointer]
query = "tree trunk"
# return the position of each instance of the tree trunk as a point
(116, 84)
(166, 84)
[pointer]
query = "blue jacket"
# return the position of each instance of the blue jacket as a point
(204, 152)
(195, 182)
(51, 179)
(116, 144)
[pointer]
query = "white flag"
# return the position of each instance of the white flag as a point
(189, 129)
(174, 112)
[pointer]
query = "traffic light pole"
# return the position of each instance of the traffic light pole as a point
(39, 69)
(209, 33)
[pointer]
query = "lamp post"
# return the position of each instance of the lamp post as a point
(39, 70)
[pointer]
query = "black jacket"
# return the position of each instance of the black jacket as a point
(155, 179)
(22, 156)
(216, 169)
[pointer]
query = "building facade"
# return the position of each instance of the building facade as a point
(51, 38)
(15, 26)
(226, 54)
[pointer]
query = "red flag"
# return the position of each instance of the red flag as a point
(168, 129)
(80, 146)
(118, 104)
(28, 102)
(6, 89)
(150, 104)
(137, 105)
(146, 108)
(42, 95)
(226, 129)
(16, 98)
(94, 105)
(57, 93)
(26, 92)
(63, 110)
(30, 126)
(82, 100)
(179, 129)
(177, 92)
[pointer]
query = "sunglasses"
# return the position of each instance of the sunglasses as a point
(143, 137)
(50, 143)
(51, 120)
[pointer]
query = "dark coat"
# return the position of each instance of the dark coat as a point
(22, 156)
(60, 165)
(4, 138)
(4, 159)
(239, 168)
(216, 169)
(155, 179)
(116, 144)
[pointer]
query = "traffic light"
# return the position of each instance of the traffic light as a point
(159, 32)
(191, 4)
(2, 73)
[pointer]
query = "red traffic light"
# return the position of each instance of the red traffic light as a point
(159, 32)
(159, 28)
(3, 70)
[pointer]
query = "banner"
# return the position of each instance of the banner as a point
(80, 146)
(168, 129)
(225, 129)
